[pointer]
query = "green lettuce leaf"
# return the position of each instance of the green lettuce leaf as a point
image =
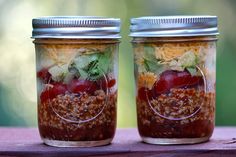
(58, 72)
(192, 70)
(187, 61)
(150, 62)
(91, 66)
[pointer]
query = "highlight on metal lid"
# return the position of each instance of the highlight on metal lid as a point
(90, 27)
(173, 26)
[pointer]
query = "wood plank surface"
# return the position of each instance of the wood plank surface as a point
(26, 142)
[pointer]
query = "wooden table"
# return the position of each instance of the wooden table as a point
(26, 142)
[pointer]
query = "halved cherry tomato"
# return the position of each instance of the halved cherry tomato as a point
(44, 75)
(175, 79)
(104, 84)
(144, 94)
(52, 92)
(111, 83)
(79, 86)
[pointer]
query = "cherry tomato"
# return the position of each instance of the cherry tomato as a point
(79, 86)
(144, 94)
(52, 92)
(104, 84)
(44, 75)
(175, 79)
(111, 83)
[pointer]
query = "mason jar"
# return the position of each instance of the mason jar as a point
(77, 68)
(175, 77)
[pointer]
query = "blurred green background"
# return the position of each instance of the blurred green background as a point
(17, 58)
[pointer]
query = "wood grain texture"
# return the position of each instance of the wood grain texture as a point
(26, 142)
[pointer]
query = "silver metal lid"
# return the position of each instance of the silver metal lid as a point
(173, 26)
(87, 27)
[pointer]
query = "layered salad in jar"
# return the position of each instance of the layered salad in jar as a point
(175, 89)
(77, 91)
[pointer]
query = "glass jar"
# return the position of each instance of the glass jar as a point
(175, 78)
(77, 69)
